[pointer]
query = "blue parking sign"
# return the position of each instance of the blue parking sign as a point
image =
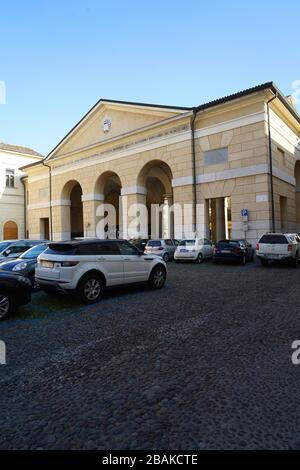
(244, 212)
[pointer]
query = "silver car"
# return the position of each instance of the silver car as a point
(163, 247)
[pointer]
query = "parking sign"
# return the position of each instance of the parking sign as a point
(244, 212)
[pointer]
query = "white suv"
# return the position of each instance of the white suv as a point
(89, 266)
(278, 246)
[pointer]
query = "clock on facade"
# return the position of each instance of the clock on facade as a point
(106, 124)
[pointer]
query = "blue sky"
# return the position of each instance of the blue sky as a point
(57, 58)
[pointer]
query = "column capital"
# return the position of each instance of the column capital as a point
(133, 190)
(92, 197)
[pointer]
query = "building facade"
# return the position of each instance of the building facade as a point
(228, 168)
(12, 194)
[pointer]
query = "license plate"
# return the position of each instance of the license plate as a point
(183, 251)
(47, 264)
(225, 251)
(273, 256)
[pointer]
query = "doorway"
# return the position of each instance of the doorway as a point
(44, 228)
(219, 215)
(10, 230)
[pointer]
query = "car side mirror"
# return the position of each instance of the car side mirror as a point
(250, 246)
(7, 252)
(140, 252)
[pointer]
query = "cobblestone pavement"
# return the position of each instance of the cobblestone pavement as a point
(204, 363)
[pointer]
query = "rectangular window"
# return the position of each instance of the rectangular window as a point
(213, 157)
(10, 178)
(281, 155)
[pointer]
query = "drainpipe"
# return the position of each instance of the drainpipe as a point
(25, 203)
(194, 171)
(271, 162)
(50, 199)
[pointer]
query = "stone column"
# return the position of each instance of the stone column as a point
(183, 214)
(133, 213)
(61, 220)
(220, 219)
(168, 217)
(90, 203)
(202, 214)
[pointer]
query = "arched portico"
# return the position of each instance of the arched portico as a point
(156, 179)
(72, 210)
(108, 191)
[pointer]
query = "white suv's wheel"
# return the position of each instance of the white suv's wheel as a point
(91, 289)
(5, 304)
(158, 277)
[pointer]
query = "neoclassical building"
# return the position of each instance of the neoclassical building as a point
(232, 165)
(12, 191)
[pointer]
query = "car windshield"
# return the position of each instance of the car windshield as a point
(3, 246)
(187, 243)
(154, 243)
(34, 252)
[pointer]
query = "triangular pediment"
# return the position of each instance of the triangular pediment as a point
(109, 119)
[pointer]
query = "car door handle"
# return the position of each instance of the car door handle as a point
(101, 258)
(127, 259)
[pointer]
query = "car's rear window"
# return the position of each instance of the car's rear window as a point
(154, 243)
(84, 249)
(187, 243)
(227, 244)
(61, 249)
(274, 239)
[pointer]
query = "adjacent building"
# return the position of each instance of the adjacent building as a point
(12, 194)
(229, 167)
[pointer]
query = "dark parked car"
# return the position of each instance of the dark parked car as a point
(233, 250)
(25, 264)
(11, 249)
(14, 291)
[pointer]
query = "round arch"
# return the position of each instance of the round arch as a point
(156, 177)
(108, 186)
(72, 214)
(10, 230)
